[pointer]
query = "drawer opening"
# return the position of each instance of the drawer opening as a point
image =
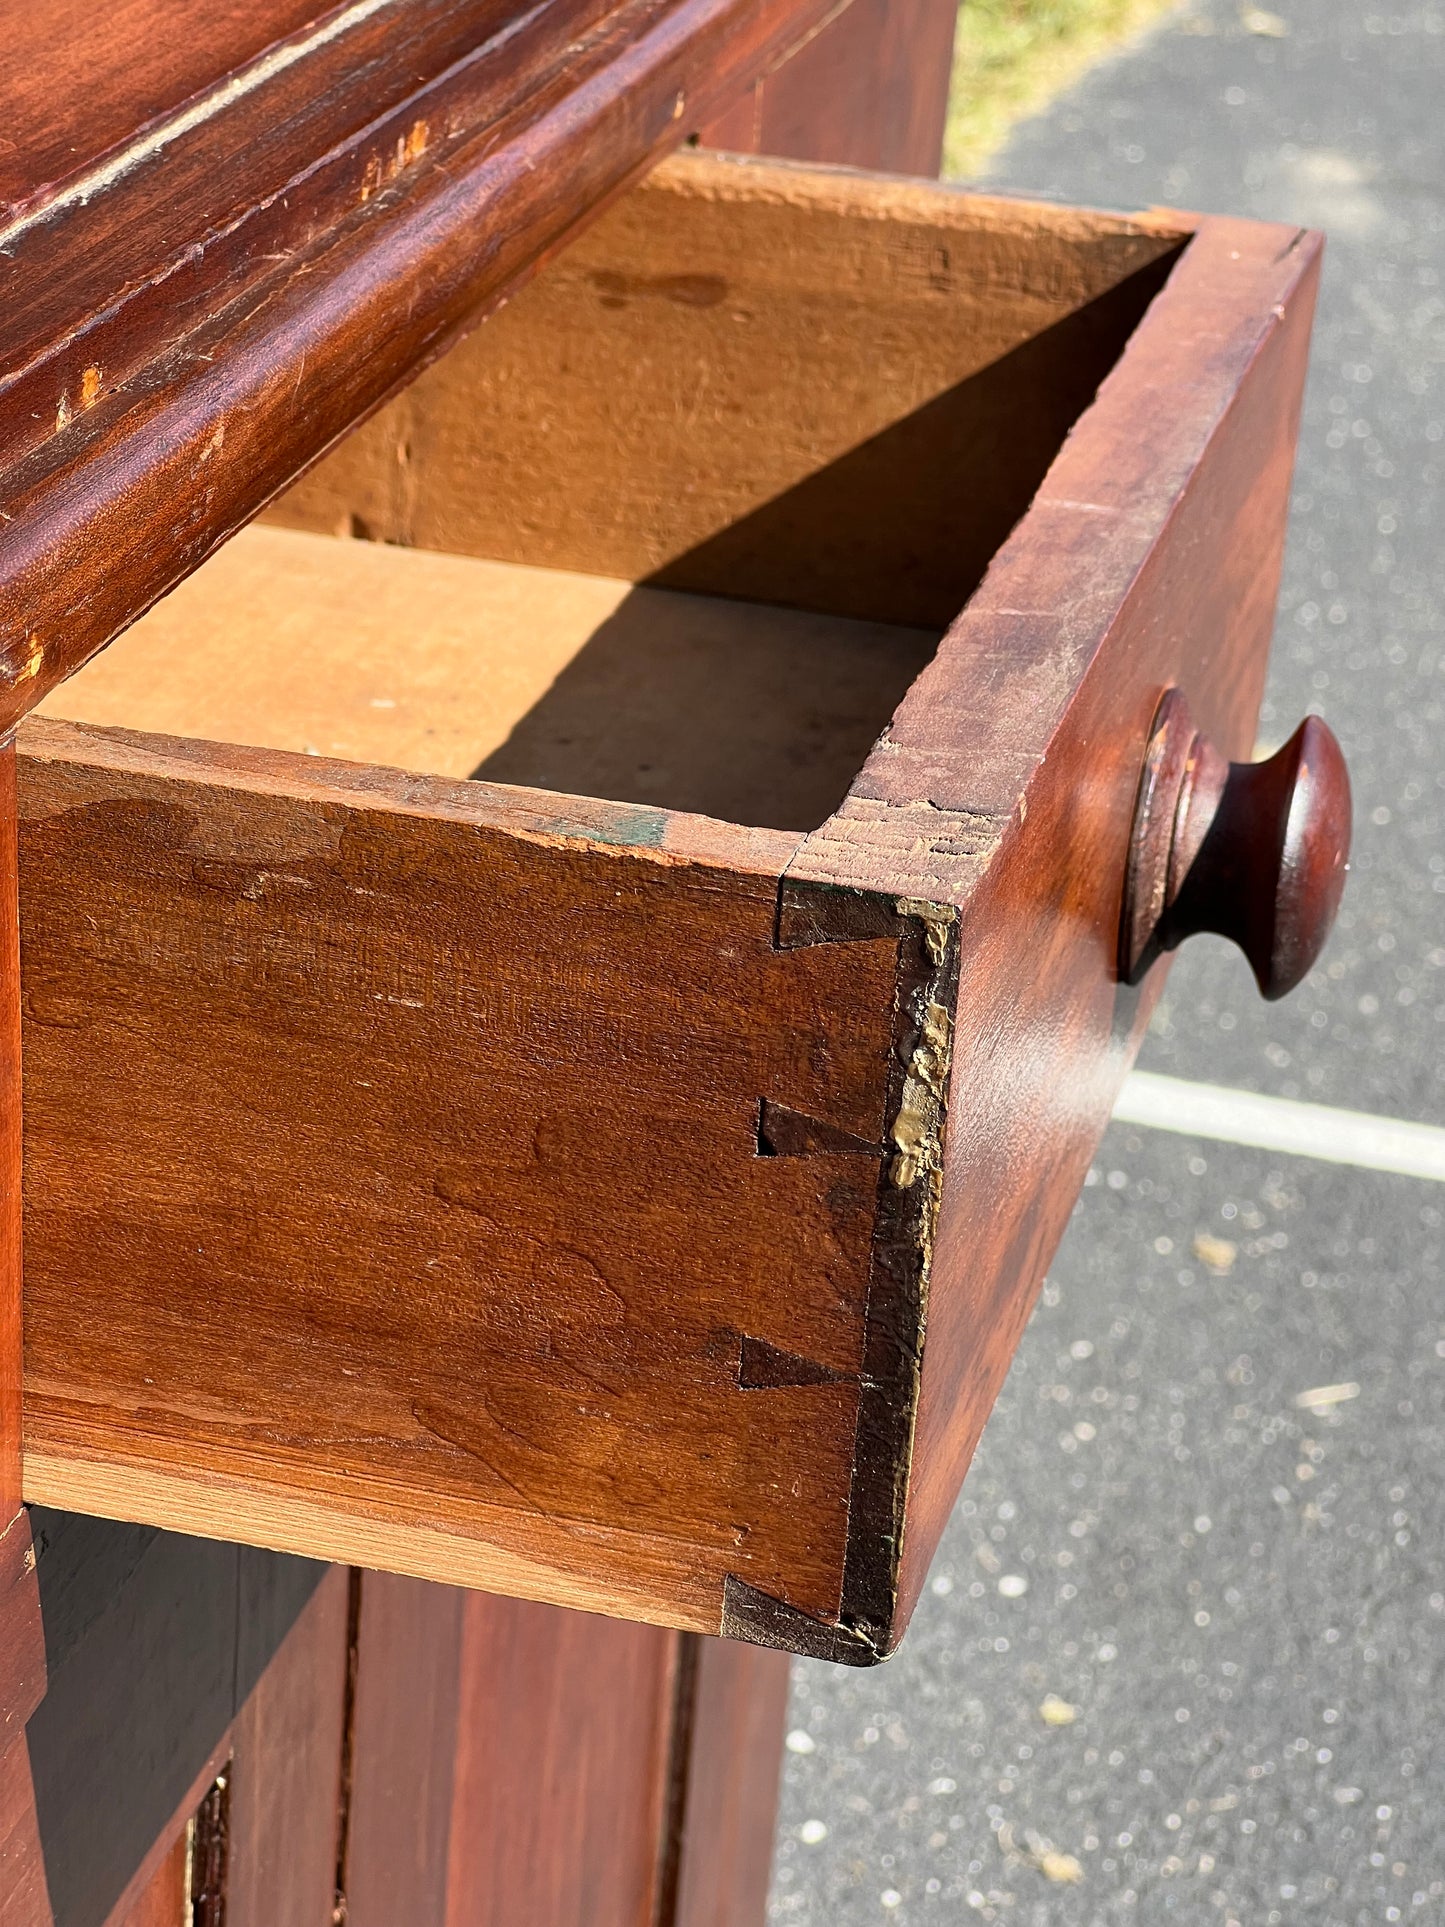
(682, 523)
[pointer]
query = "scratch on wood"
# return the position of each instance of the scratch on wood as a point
(12, 674)
(151, 143)
(408, 151)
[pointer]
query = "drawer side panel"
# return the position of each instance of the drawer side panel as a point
(1045, 1033)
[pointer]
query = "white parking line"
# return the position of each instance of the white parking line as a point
(1280, 1124)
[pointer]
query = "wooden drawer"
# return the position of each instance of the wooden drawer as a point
(634, 1203)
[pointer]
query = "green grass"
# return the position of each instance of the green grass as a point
(1012, 56)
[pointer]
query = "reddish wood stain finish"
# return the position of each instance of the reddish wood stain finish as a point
(285, 1774)
(564, 1735)
(403, 1751)
(622, 1205)
(22, 1637)
(524, 1762)
(165, 1900)
(723, 1846)
(11, 1147)
(141, 60)
(24, 1893)
(1252, 851)
(1050, 1030)
(867, 89)
(762, 1022)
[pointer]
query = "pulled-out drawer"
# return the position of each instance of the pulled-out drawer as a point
(635, 1202)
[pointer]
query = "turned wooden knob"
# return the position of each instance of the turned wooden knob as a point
(1253, 851)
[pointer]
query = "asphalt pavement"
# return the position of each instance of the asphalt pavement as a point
(1183, 1652)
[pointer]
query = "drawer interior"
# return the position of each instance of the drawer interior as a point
(528, 1182)
(681, 524)
(458, 666)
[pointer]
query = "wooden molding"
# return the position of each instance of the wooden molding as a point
(272, 301)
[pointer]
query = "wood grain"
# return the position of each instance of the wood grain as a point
(728, 1808)
(659, 1000)
(564, 1727)
(24, 1899)
(56, 132)
(1148, 560)
(11, 1153)
(541, 677)
(290, 247)
(869, 88)
(408, 1712)
(22, 1636)
(285, 1773)
(820, 390)
(331, 1038)
(515, 1761)
(24, 1896)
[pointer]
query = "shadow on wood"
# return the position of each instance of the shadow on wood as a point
(153, 1644)
(902, 528)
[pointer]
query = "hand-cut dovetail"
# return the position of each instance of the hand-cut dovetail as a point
(748, 1613)
(811, 913)
(786, 1133)
(764, 1368)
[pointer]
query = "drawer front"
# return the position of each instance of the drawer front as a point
(592, 1201)
(408, 1165)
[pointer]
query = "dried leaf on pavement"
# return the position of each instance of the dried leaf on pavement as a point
(1215, 1254)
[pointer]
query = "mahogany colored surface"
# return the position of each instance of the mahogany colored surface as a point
(403, 1752)
(564, 1738)
(352, 1065)
(285, 1772)
(10, 1152)
(514, 1761)
(22, 1637)
(166, 1897)
(291, 246)
(1154, 557)
(24, 1895)
(723, 1846)
(867, 89)
(141, 60)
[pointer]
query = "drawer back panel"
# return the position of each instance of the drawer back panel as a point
(827, 391)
